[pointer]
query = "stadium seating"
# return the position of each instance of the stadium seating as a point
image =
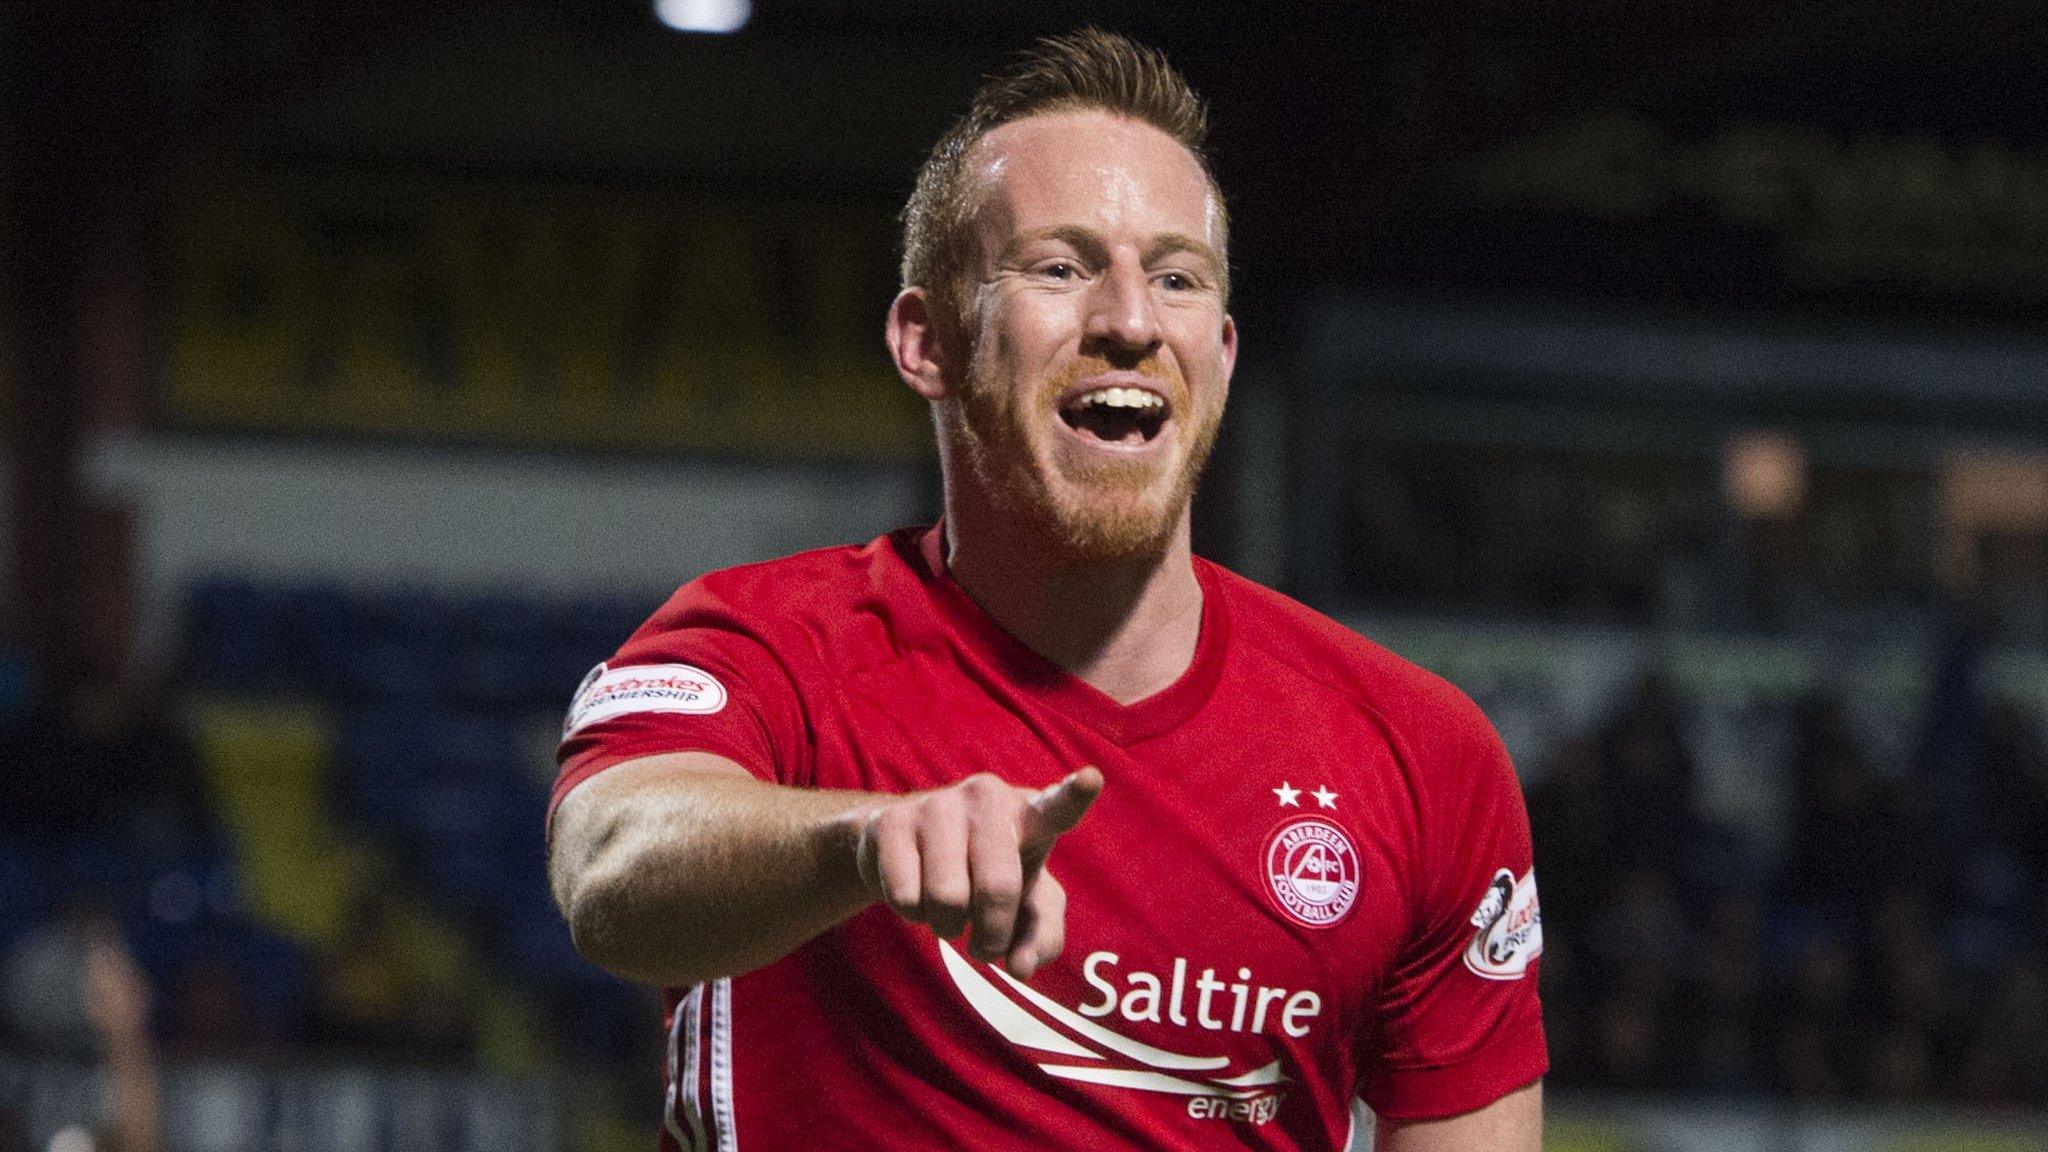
(420, 722)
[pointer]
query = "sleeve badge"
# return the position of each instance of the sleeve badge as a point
(1509, 923)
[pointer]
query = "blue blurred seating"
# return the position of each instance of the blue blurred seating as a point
(432, 694)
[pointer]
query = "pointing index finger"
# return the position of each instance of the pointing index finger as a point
(1062, 805)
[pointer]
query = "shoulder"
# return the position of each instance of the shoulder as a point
(811, 602)
(1420, 708)
(823, 576)
(1445, 754)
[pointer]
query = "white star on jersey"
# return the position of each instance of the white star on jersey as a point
(1290, 797)
(1325, 797)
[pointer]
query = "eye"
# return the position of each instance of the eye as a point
(1059, 270)
(1177, 281)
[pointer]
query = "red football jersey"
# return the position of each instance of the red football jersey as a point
(1308, 878)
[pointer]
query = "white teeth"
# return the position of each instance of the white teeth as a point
(1122, 398)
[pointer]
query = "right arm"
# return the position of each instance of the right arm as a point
(683, 867)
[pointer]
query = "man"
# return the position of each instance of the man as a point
(818, 799)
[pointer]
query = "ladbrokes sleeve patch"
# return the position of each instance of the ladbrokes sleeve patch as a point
(608, 692)
(1510, 928)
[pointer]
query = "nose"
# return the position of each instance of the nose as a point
(1121, 311)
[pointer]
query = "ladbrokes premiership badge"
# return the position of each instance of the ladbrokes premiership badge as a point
(1312, 871)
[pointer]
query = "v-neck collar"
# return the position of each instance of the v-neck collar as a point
(1040, 678)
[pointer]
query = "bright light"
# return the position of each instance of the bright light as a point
(703, 15)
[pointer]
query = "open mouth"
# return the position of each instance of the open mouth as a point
(1130, 416)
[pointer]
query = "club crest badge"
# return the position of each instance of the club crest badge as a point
(1311, 871)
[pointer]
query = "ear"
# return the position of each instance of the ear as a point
(915, 345)
(1229, 346)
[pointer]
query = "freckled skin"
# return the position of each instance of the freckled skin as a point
(1046, 311)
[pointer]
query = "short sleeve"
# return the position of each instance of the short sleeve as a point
(1460, 1024)
(687, 681)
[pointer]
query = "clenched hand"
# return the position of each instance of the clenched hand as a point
(972, 855)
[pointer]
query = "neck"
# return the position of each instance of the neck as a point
(1128, 626)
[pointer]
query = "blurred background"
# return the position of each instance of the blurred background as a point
(1669, 376)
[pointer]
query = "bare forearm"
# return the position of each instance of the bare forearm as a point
(681, 868)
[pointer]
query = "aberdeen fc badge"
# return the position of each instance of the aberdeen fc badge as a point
(1311, 871)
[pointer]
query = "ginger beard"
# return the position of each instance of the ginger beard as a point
(1094, 505)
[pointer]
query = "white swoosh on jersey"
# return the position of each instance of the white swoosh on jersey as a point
(1026, 1031)
(1144, 1081)
(1016, 1025)
(1270, 1074)
(1124, 1045)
